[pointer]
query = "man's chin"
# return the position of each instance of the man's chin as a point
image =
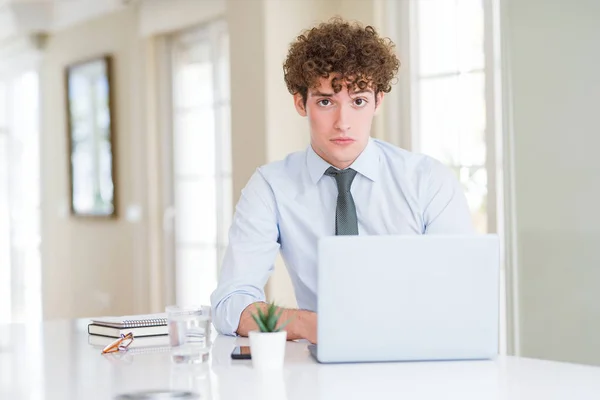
(344, 158)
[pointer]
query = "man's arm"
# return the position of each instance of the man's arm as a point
(446, 209)
(248, 262)
(302, 325)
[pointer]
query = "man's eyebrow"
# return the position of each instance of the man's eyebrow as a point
(362, 91)
(321, 94)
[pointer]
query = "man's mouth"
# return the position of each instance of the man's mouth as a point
(342, 140)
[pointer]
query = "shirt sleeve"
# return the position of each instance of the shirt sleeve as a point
(250, 256)
(446, 210)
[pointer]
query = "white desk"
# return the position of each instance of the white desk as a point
(53, 360)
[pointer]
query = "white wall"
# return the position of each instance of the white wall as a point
(165, 16)
(245, 21)
(95, 267)
(554, 65)
(90, 266)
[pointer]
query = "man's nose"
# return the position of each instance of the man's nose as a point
(342, 122)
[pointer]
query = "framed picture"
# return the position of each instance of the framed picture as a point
(90, 121)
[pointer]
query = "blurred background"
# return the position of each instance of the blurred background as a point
(129, 127)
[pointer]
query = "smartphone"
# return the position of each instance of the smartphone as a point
(241, 353)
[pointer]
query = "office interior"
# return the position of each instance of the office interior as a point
(504, 92)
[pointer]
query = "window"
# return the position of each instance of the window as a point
(201, 159)
(449, 88)
(20, 259)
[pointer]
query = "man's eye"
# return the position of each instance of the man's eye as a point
(360, 102)
(324, 102)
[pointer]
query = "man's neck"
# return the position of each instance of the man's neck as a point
(338, 165)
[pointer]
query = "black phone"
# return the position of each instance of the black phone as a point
(241, 353)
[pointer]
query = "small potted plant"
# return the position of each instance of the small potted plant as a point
(268, 342)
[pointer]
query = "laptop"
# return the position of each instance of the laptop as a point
(407, 298)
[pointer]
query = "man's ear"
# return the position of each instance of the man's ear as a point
(379, 98)
(299, 103)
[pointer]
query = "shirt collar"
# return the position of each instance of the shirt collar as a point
(366, 164)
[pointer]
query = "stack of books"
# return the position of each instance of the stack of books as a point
(139, 325)
(150, 331)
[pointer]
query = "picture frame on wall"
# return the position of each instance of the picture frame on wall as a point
(91, 148)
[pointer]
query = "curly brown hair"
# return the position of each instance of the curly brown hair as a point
(361, 57)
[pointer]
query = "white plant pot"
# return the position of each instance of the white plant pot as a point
(268, 349)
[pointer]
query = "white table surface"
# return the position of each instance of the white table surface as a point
(53, 360)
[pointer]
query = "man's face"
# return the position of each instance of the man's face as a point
(340, 123)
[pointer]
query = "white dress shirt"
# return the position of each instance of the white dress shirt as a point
(288, 205)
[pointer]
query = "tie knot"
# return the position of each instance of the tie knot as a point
(343, 178)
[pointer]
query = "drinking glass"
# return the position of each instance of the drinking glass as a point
(189, 333)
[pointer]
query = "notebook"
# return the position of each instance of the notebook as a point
(139, 325)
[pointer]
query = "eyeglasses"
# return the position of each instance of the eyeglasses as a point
(121, 344)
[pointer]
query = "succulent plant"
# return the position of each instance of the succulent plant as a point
(267, 320)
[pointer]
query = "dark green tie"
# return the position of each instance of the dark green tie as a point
(346, 222)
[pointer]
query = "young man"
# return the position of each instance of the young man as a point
(344, 183)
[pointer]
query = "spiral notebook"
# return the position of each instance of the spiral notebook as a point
(132, 321)
(139, 325)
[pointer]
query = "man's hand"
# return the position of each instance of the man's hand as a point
(302, 325)
(311, 327)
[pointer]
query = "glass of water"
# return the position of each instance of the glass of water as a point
(189, 333)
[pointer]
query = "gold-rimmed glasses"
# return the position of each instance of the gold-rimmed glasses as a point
(121, 344)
